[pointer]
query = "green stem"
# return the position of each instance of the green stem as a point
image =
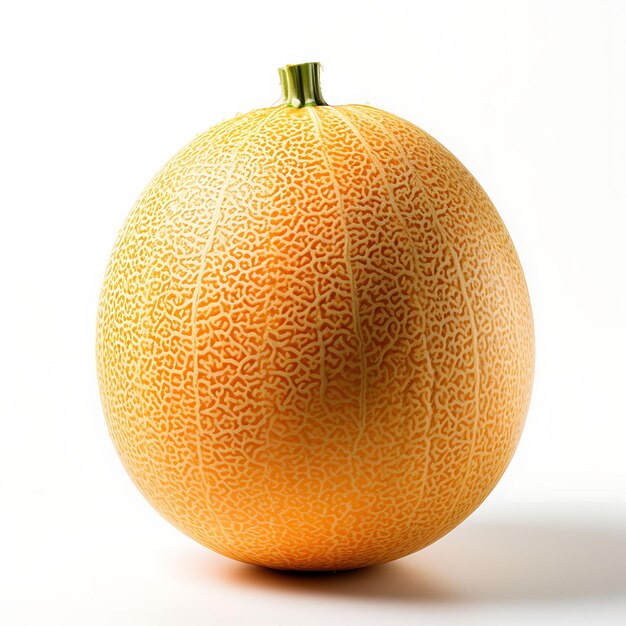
(282, 73)
(301, 85)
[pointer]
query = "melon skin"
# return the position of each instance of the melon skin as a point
(314, 340)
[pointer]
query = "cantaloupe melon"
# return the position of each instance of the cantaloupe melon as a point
(315, 342)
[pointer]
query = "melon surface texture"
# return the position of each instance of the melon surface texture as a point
(314, 341)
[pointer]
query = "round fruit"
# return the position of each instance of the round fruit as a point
(315, 343)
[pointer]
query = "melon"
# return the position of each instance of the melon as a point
(314, 340)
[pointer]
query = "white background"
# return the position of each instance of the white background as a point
(95, 97)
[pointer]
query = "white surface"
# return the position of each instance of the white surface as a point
(530, 96)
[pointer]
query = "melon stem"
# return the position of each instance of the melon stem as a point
(301, 85)
(284, 88)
